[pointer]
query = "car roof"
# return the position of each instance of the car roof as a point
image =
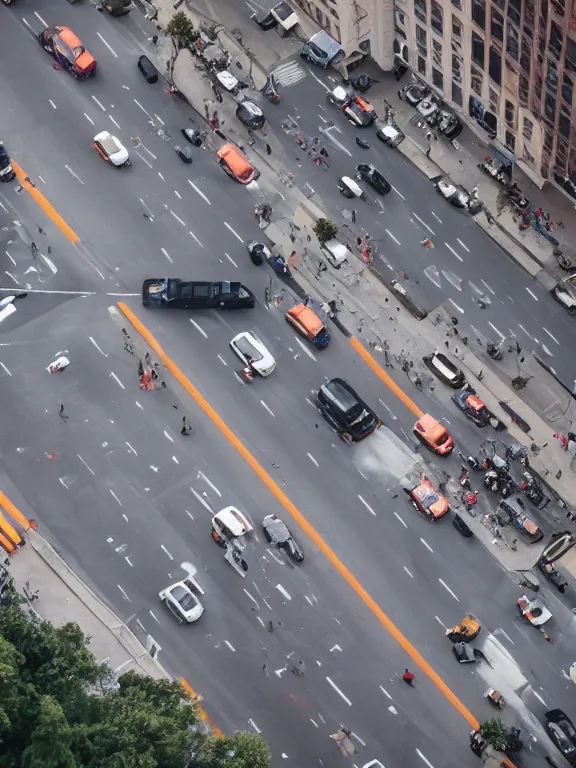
(475, 402)
(233, 519)
(307, 317)
(341, 394)
(431, 425)
(69, 37)
(254, 340)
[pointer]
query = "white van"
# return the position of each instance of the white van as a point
(336, 253)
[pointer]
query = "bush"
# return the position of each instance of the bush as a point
(325, 230)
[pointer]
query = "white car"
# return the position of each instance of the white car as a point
(111, 149)
(182, 599)
(252, 352)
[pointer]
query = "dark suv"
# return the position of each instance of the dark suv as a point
(346, 412)
(371, 175)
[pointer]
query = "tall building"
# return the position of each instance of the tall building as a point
(509, 65)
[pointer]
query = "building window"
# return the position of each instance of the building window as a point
(457, 69)
(526, 56)
(500, 4)
(552, 77)
(476, 80)
(550, 106)
(509, 113)
(456, 26)
(456, 94)
(401, 33)
(437, 53)
(420, 10)
(400, 18)
(493, 98)
(558, 7)
(527, 129)
(421, 65)
(437, 17)
(510, 141)
(512, 41)
(570, 59)
(479, 13)
(421, 41)
(495, 65)
(497, 25)
(549, 140)
(561, 154)
(514, 8)
(564, 126)
(477, 50)
(527, 157)
(567, 86)
(457, 4)
(555, 40)
(438, 79)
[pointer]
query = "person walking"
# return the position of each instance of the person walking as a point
(409, 678)
(354, 216)
(186, 428)
(427, 243)
(62, 414)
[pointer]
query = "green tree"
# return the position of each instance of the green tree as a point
(50, 741)
(181, 31)
(325, 230)
(495, 733)
(242, 750)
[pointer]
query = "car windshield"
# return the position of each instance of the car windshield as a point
(343, 400)
(283, 11)
(248, 349)
(224, 287)
(252, 109)
(184, 599)
(279, 531)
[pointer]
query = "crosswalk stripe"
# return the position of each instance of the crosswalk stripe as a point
(289, 74)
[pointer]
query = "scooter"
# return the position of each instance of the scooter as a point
(279, 266)
(493, 351)
(563, 261)
(492, 480)
(270, 90)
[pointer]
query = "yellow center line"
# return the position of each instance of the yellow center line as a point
(46, 206)
(13, 511)
(201, 711)
(299, 518)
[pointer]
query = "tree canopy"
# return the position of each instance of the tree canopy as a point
(181, 30)
(60, 709)
(325, 230)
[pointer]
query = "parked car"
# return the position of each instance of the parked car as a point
(250, 115)
(390, 135)
(183, 600)
(253, 353)
(148, 70)
(448, 125)
(515, 512)
(371, 175)
(565, 294)
(111, 149)
(309, 325)
(346, 412)
(171, 293)
(429, 502)
(68, 52)
(322, 50)
(117, 7)
(472, 407)
(454, 194)
(429, 108)
(445, 370)
(278, 533)
(413, 93)
(561, 730)
(433, 435)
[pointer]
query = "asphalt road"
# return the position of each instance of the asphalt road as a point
(134, 499)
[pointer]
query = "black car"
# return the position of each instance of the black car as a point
(562, 732)
(472, 407)
(278, 533)
(372, 176)
(346, 412)
(251, 115)
(448, 124)
(180, 294)
(413, 93)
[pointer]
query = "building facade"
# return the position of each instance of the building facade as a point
(361, 28)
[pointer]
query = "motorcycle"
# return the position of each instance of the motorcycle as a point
(194, 136)
(279, 266)
(518, 200)
(362, 143)
(493, 351)
(173, 91)
(184, 154)
(532, 488)
(507, 488)
(363, 82)
(563, 261)
(270, 90)
(217, 94)
(552, 574)
(492, 480)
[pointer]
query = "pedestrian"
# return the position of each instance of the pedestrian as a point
(321, 268)
(354, 216)
(409, 677)
(62, 414)
(186, 428)
(153, 40)
(474, 192)
(428, 148)
(427, 243)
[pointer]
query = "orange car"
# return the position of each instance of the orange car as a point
(309, 325)
(433, 435)
(426, 499)
(63, 45)
(235, 164)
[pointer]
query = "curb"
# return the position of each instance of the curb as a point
(401, 295)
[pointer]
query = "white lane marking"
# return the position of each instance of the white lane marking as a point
(263, 404)
(551, 336)
(5, 369)
(178, 219)
(202, 476)
(312, 459)
(116, 497)
(390, 412)
(439, 620)
(222, 361)
(131, 448)
(151, 612)
(408, 572)
(95, 100)
(115, 123)
(124, 595)
(487, 286)
(422, 757)
(53, 268)
(178, 195)
(40, 18)
(320, 82)
(97, 347)
(423, 223)
(390, 235)
(230, 259)
(539, 698)
(233, 231)
(385, 692)
(510, 297)
(525, 331)
(148, 163)
(159, 119)
(117, 380)
(199, 191)
(456, 306)
(74, 175)
(168, 436)
(200, 330)
(368, 507)
(88, 118)
(436, 217)
(454, 252)
(253, 724)
(195, 238)
(107, 44)
(396, 515)
(427, 545)
(512, 333)
(335, 141)
(463, 245)
(52, 104)
(545, 349)
(283, 592)
(10, 275)
(202, 501)
(496, 330)
(162, 177)
(447, 588)
(398, 193)
(305, 348)
(142, 108)
(532, 294)
(129, 561)
(163, 548)
(355, 736)
(7, 254)
(165, 252)
(339, 692)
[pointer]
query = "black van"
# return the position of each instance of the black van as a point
(148, 69)
(345, 411)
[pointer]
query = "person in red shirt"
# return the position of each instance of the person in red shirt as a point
(409, 677)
